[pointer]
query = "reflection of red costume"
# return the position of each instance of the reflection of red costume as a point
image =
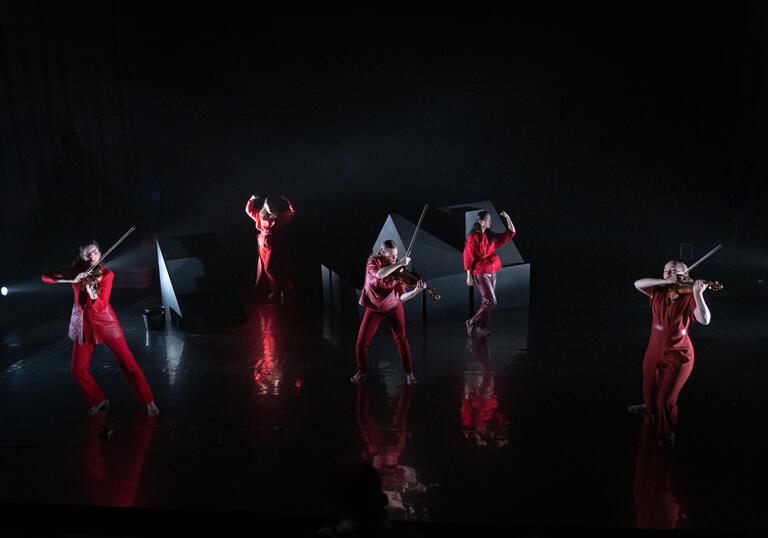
(269, 370)
(668, 361)
(113, 472)
(272, 257)
(480, 412)
(381, 299)
(656, 505)
(479, 407)
(94, 322)
(384, 445)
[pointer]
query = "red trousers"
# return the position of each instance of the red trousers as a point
(368, 327)
(663, 379)
(486, 285)
(273, 266)
(81, 362)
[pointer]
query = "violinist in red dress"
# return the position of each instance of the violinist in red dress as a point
(94, 322)
(383, 296)
(668, 360)
(481, 263)
(270, 221)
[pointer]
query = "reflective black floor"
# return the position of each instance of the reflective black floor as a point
(526, 428)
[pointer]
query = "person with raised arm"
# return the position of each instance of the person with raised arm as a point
(481, 263)
(270, 220)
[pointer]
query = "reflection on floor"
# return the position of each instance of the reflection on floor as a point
(525, 428)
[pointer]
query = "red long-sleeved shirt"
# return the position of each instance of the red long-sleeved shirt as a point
(379, 294)
(93, 321)
(480, 251)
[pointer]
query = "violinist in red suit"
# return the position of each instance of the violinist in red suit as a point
(270, 221)
(668, 360)
(383, 297)
(481, 263)
(94, 322)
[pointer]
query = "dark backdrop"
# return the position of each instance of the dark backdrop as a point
(611, 134)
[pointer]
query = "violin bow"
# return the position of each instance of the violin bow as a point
(416, 231)
(113, 247)
(110, 249)
(707, 255)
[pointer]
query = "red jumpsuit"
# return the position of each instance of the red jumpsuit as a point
(668, 361)
(381, 299)
(272, 256)
(95, 322)
(481, 260)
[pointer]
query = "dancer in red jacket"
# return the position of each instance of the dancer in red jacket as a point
(668, 360)
(94, 322)
(383, 298)
(481, 263)
(272, 256)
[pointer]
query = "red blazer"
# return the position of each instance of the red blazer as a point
(480, 251)
(93, 321)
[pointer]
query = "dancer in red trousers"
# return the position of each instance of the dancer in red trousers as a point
(383, 298)
(668, 360)
(269, 222)
(94, 322)
(481, 263)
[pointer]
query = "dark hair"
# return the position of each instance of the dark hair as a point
(81, 248)
(480, 216)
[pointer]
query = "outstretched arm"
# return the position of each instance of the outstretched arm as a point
(648, 285)
(508, 222)
(61, 276)
(250, 207)
(508, 234)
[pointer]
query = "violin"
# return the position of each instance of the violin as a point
(410, 279)
(94, 278)
(685, 285)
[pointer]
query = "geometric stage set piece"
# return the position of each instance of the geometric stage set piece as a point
(194, 283)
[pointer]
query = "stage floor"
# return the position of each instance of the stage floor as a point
(527, 428)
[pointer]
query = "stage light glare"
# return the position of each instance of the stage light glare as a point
(4, 291)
